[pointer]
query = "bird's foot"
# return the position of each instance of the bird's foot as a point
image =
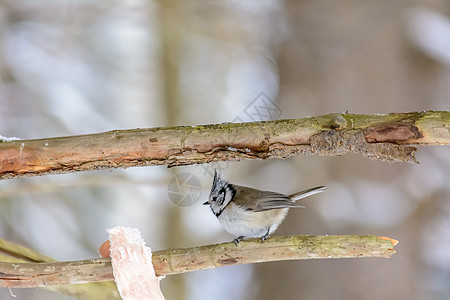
(265, 236)
(237, 240)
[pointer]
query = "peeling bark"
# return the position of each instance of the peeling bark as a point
(388, 137)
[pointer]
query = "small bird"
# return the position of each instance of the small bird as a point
(246, 212)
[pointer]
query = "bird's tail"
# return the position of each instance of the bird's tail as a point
(306, 193)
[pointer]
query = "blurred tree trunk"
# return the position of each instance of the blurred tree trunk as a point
(170, 41)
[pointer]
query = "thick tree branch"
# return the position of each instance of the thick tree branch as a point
(383, 137)
(175, 261)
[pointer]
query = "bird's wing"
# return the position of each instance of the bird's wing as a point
(256, 200)
(272, 200)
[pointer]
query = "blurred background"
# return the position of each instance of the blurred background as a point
(76, 67)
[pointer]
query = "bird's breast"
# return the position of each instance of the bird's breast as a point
(241, 222)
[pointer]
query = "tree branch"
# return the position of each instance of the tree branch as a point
(16, 254)
(382, 137)
(175, 261)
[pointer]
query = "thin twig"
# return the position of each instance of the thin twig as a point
(175, 261)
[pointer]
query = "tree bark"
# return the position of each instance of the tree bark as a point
(383, 137)
(176, 261)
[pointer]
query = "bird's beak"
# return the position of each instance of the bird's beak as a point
(206, 203)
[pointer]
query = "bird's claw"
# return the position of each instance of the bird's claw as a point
(237, 240)
(265, 236)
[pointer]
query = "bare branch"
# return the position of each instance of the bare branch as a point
(17, 254)
(382, 137)
(175, 261)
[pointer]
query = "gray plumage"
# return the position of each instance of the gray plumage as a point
(248, 212)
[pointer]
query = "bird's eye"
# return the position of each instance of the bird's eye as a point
(214, 198)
